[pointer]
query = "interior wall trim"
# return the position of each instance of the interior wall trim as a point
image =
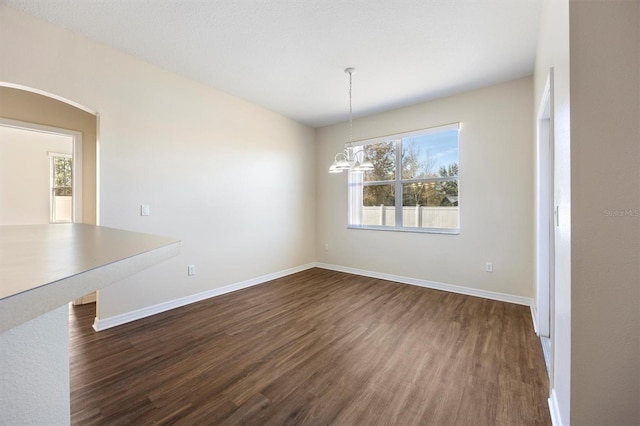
(100, 324)
(502, 297)
(554, 409)
(534, 317)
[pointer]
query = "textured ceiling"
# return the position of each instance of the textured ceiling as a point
(289, 55)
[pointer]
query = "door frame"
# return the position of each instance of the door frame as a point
(544, 209)
(546, 213)
(76, 138)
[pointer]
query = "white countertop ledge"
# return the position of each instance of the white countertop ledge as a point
(43, 267)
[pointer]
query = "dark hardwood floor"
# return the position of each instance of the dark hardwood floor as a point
(315, 348)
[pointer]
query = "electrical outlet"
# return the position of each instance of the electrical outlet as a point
(145, 210)
(488, 267)
(191, 270)
(326, 246)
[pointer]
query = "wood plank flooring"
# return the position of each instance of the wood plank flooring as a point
(315, 348)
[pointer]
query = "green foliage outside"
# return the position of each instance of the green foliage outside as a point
(414, 166)
(383, 157)
(62, 176)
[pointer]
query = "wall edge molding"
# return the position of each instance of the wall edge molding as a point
(116, 320)
(100, 324)
(468, 291)
(48, 95)
(534, 317)
(554, 409)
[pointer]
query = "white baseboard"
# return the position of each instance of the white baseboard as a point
(100, 324)
(502, 297)
(554, 410)
(109, 322)
(534, 317)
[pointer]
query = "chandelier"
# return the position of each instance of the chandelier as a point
(348, 159)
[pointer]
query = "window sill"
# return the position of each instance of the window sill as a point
(412, 230)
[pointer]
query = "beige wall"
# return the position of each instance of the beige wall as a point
(31, 107)
(496, 187)
(605, 219)
(25, 174)
(203, 160)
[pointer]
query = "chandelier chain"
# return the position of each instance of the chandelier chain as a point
(350, 109)
(348, 158)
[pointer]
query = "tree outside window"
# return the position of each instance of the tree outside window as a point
(62, 176)
(416, 190)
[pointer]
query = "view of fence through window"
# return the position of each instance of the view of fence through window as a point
(414, 183)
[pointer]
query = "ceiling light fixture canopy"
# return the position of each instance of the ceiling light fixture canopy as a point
(348, 159)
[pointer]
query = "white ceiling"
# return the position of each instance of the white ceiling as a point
(289, 55)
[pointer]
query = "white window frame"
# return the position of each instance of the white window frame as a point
(356, 182)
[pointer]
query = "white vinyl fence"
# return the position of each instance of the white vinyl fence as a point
(413, 217)
(62, 208)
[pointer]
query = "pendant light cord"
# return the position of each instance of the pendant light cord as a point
(350, 109)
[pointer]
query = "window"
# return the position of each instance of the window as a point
(414, 183)
(61, 188)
